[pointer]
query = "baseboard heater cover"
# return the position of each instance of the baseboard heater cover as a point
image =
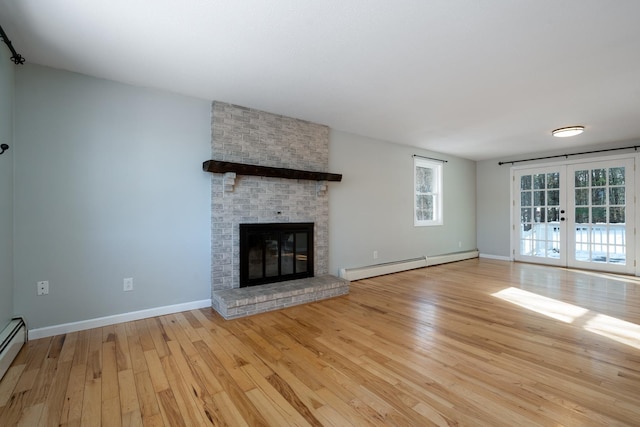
(456, 256)
(12, 338)
(410, 264)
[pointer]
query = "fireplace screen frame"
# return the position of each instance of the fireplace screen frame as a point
(248, 233)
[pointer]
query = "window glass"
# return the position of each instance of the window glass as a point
(427, 192)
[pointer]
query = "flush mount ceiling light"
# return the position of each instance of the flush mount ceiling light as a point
(568, 131)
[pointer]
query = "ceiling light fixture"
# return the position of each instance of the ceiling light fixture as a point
(568, 131)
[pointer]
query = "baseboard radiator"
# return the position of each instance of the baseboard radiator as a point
(409, 264)
(11, 340)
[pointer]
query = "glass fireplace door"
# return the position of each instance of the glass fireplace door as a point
(275, 252)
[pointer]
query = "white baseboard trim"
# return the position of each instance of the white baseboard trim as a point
(12, 338)
(498, 257)
(380, 269)
(453, 257)
(409, 264)
(99, 322)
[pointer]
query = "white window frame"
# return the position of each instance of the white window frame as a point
(436, 167)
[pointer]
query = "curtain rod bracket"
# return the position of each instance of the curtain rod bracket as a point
(16, 57)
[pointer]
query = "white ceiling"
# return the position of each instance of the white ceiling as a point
(478, 79)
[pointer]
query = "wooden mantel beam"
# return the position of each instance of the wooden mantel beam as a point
(216, 166)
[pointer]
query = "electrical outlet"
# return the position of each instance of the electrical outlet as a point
(375, 254)
(128, 284)
(43, 287)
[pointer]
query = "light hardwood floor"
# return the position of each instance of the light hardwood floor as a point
(478, 343)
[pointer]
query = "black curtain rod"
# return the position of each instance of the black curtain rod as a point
(16, 58)
(430, 158)
(635, 147)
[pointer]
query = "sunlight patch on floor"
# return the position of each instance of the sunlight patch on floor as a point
(619, 330)
(550, 307)
(624, 332)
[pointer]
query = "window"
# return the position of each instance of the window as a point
(427, 179)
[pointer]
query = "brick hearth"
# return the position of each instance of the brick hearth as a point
(240, 302)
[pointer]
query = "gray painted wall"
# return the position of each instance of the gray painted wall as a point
(494, 195)
(6, 187)
(108, 185)
(372, 208)
(492, 210)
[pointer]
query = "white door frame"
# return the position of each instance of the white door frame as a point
(514, 238)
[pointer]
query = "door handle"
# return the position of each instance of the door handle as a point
(562, 219)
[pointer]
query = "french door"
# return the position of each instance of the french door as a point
(577, 215)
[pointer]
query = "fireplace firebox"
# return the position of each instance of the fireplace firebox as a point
(275, 252)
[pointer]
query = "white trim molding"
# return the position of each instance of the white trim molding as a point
(99, 322)
(408, 264)
(498, 257)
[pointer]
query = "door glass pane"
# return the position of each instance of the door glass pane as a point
(538, 198)
(598, 244)
(525, 182)
(598, 196)
(582, 216)
(582, 243)
(553, 197)
(598, 177)
(540, 249)
(616, 196)
(616, 176)
(526, 247)
(538, 181)
(598, 215)
(582, 197)
(617, 245)
(553, 180)
(616, 215)
(525, 198)
(582, 178)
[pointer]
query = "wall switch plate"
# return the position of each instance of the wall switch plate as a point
(128, 284)
(43, 287)
(375, 254)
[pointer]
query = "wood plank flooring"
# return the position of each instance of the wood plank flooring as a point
(477, 343)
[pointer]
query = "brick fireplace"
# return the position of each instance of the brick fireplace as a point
(252, 137)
